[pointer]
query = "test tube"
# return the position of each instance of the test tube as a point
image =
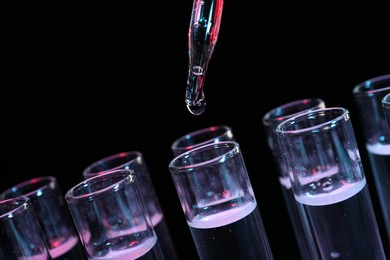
(219, 204)
(270, 121)
(386, 107)
(368, 97)
(111, 218)
(194, 139)
(134, 160)
(53, 216)
(21, 236)
(329, 183)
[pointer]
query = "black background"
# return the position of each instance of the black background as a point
(85, 82)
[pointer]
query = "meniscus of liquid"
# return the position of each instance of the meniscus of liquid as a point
(202, 37)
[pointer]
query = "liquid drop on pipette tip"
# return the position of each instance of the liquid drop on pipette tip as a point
(196, 107)
(195, 98)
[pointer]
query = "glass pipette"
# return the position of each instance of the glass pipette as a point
(202, 37)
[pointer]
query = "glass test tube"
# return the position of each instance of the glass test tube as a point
(201, 137)
(270, 120)
(328, 182)
(111, 218)
(21, 236)
(368, 99)
(219, 203)
(386, 107)
(134, 160)
(53, 216)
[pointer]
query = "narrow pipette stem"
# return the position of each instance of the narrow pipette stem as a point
(202, 37)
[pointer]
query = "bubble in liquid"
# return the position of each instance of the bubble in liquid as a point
(197, 70)
(335, 254)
